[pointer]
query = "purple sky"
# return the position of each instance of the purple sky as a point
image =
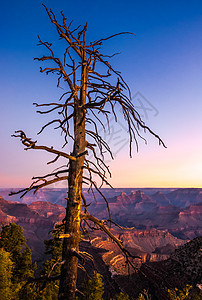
(162, 65)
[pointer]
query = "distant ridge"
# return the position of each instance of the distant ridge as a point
(177, 210)
(57, 195)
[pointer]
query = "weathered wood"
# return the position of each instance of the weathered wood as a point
(89, 95)
(73, 210)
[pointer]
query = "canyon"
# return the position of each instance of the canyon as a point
(159, 223)
(162, 219)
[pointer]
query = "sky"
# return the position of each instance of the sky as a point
(162, 64)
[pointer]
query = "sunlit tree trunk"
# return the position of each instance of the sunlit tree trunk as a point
(73, 210)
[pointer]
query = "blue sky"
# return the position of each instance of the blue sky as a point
(163, 63)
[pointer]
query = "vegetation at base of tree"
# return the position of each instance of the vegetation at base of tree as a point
(188, 293)
(121, 296)
(93, 288)
(53, 248)
(13, 242)
(179, 294)
(6, 269)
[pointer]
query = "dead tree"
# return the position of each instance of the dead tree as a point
(89, 99)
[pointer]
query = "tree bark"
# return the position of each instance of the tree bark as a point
(72, 220)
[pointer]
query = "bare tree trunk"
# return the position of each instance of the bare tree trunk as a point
(73, 210)
(83, 82)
